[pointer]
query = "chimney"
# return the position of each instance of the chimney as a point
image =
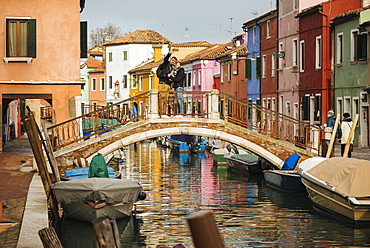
(157, 53)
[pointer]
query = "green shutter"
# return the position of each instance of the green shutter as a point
(305, 108)
(248, 68)
(258, 67)
(83, 39)
(32, 38)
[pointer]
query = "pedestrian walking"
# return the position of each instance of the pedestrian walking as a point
(328, 130)
(346, 126)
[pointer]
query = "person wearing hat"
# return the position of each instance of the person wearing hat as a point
(346, 129)
(328, 129)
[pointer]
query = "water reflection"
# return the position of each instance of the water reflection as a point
(248, 213)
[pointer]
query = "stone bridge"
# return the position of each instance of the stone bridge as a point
(273, 150)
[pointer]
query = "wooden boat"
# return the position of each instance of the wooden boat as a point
(284, 179)
(245, 163)
(339, 185)
(287, 178)
(219, 153)
(95, 194)
(185, 143)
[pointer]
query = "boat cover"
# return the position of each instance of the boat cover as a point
(349, 176)
(247, 158)
(96, 189)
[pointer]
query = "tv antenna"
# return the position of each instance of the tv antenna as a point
(220, 30)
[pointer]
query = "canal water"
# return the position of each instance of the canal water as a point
(247, 211)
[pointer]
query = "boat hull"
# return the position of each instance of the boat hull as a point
(335, 203)
(242, 166)
(284, 179)
(85, 211)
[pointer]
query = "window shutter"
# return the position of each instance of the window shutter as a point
(32, 38)
(258, 67)
(363, 48)
(83, 39)
(305, 108)
(248, 68)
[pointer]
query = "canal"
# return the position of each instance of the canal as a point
(248, 213)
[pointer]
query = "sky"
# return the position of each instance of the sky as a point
(178, 20)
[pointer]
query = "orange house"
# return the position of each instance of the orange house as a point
(40, 46)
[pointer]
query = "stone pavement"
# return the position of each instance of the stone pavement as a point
(24, 200)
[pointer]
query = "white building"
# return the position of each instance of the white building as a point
(123, 54)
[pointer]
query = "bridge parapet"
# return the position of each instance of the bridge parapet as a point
(198, 108)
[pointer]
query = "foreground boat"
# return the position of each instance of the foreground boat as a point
(340, 186)
(245, 163)
(95, 191)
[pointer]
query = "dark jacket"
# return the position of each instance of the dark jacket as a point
(164, 69)
(330, 122)
(179, 79)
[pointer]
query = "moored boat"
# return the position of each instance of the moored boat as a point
(287, 178)
(338, 185)
(219, 153)
(245, 163)
(91, 192)
(184, 143)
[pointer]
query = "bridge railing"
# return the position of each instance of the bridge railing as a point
(266, 121)
(209, 104)
(99, 121)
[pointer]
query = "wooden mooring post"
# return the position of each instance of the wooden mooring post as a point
(35, 140)
(49, 238)
(204, 230)
(106, 232)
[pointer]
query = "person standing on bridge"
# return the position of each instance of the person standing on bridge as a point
(163, 72)
(177, 78)
(328, 130)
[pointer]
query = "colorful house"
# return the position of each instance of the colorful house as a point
(351, 69)
(41, 51)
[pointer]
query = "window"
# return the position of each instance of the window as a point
(102, 84)
(110, 82)
(222, 72)
(134, 81)
(199, 77)
(194, 77)
(188, 80)
(318, 52)
(353, 44)
(124, 55)
(254, 35)
(280, 57)
(301, 61)
(151, 83)
(268, 29)
(229, 71)
(295, 4)
(273, 67)
(124, 81)
(264, 66)
(248, 68)
(358, 46)
(83, 81)
(93, 86)
(339, 48)
(295, 53)
(21, 38)
(305, 108)
(83, 39)
(258, 67)
(141, 83)
(110, 56)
